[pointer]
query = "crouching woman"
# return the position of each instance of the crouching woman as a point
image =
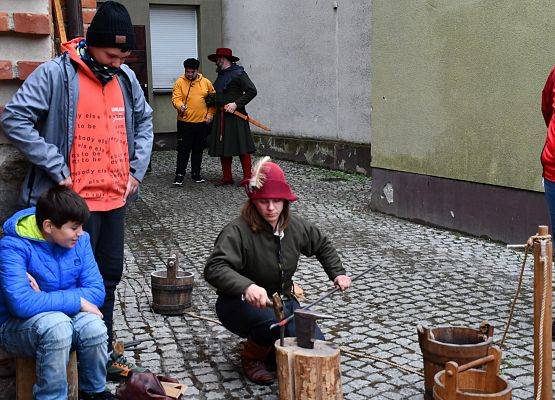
(255, 256)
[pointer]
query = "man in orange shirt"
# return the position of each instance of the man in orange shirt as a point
(83, 122)
(193, 119)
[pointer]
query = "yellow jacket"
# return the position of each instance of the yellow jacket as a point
(193, 94)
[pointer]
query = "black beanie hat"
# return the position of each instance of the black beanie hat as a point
(111, 27)
(191, 63)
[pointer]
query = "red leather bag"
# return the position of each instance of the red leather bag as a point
(143, 386)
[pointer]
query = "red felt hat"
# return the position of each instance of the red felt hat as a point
(223, 52)
(268, 182)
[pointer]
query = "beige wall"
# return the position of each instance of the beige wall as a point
(456, 88)
(310, 63)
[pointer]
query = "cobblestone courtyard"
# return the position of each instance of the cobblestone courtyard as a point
(423, 276)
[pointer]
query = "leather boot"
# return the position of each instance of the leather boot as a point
(270, 361)
(252, 360)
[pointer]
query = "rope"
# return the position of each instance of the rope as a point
(529, 243)
(376, 358)
(190, 314)
(517, 294)
(543, 260)
(343, 349)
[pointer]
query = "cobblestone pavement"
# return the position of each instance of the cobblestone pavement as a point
(423, 276)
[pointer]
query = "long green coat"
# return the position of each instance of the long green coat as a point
(242, 257)
(235, 137)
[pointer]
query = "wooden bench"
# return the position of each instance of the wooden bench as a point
(25, 375)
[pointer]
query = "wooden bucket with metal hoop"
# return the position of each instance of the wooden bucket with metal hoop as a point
(467, 383)
(171, 289)
(445, 343)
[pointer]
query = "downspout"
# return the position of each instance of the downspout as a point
(74, 19)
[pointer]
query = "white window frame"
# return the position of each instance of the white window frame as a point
(167, 48)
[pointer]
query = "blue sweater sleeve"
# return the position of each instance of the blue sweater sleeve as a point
(21, 299)
(90, 285)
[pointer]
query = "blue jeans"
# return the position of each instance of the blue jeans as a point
(48, 337)
(549, 187)
(244, 320)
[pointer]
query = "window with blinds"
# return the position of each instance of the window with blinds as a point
(173, 38)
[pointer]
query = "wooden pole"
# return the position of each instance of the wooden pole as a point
(543, 263)
(59, 20)
(308, 374)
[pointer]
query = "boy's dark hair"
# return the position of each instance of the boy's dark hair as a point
(191, 63)
(60, 205)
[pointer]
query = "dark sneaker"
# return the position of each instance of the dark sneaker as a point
(118, 367)
(178, 180)
(105, 395)
(198, 179)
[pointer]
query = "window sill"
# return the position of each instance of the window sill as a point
(162, 91)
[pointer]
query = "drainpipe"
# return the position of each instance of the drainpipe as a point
(74, 14)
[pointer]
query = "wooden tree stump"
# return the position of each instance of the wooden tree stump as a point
(25, 377)
(308, 374)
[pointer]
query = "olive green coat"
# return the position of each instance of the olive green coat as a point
(235, 138)
(242, 257)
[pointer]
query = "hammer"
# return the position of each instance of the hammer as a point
(277, 305)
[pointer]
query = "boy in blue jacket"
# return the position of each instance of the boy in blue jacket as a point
(50, 293)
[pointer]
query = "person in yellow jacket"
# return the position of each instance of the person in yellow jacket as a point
(194, 118)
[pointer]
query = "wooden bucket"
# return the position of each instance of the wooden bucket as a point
(443, 344)
(466, 383)
(171, 289)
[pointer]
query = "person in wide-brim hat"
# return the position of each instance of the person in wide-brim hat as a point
(223, 52)
(255, 256)
(231, 135)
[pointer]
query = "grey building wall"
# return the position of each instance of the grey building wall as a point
(456, 88)
(310, 63)
(456, 121)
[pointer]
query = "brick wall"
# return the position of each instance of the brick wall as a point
(88, 9)
(31, 29)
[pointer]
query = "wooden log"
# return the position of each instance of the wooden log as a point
(305, 374)
(543, 366)
(25, 378)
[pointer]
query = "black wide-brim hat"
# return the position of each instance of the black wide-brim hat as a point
(223, 52)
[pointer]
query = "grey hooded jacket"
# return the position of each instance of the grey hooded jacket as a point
(40, 120)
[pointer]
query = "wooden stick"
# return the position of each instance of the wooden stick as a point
(251, 120)
(476, 363)
(60, 21)
(542, 320)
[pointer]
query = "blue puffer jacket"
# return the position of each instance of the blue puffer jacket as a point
(63, 275)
